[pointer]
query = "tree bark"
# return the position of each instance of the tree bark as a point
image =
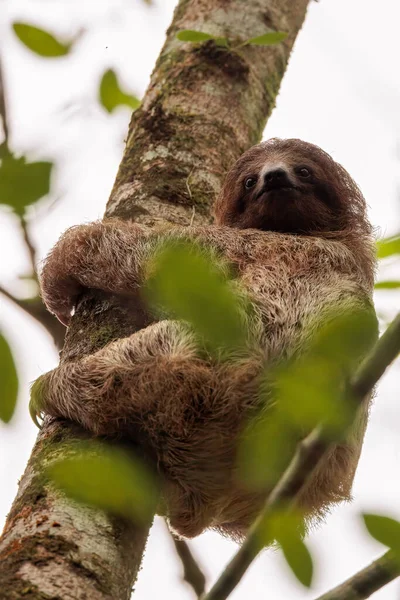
(205, 105)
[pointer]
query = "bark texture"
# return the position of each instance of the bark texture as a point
(205, 106)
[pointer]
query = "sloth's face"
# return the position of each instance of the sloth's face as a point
(285, 188)
(289, 197)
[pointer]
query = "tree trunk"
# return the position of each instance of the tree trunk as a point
(205, 105)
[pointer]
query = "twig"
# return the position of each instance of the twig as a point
(17, 301)
(3, 106)
(193, 216)
(192, 572)
(364, 583)
(188, 185)
(36, 309)
(30, 246)
(308, 454)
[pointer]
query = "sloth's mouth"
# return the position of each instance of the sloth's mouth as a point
(276, 191)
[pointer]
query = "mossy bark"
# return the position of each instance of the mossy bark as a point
(204, 106)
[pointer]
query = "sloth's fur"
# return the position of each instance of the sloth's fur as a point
(297, 252)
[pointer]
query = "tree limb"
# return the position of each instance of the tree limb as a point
(30, 247)
(367, 581)
(307, 456)
(3, 105)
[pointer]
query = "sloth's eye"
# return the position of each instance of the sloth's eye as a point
(250, 182)
(303, 172)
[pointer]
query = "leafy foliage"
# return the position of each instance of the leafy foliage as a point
(387, 285)
(306, 392)
(388, 246)
(385, 530)
(8, 381)
(287, 528)
(109, 479)
(267, 39)
(111, 94)
(41, 42)
(197, 37)
(23, 183)
(190, 284)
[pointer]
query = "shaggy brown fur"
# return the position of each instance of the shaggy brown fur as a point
(300, 244)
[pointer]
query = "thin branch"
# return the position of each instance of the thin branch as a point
(30, 246)
(192, 572)
(36, 309)
(3, 106)
(32, 306)
(366, 582)
(16, 301)
(308, 454)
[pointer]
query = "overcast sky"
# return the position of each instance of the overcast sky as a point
(341, 91)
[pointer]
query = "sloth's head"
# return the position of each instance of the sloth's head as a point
(290, 186)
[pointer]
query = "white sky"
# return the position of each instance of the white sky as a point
(341, 91)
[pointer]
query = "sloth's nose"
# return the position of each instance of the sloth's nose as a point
(276, 179)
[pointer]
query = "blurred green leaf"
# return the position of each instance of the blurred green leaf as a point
(311, 390)
(267, 39)
(187, 282)
(385, 530)
(387, 285)
(109, 479)
(345, 337)
(111, 94)
(265, 450)
(22, 183)
(388, 246)
(40, 41)
(8, 382)
(304, 392)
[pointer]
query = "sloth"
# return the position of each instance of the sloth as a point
(291, 224)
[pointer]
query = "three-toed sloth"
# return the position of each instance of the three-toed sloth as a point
(292, 224)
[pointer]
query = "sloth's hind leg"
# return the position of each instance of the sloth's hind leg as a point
(139, 380)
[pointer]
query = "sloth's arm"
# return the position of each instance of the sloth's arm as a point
(110, 256)
(101, 255)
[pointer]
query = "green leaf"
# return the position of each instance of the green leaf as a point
(298, 558)
(189, 284)
(387, 285)
(385, 530)
(22, 183)
(388, 246)
(265, 449)
(40, 41)
(8, 382)
(312, 390)
(109, 479)
(267, 39)
(189, 35)
(302, 393)
(111, 94)
(287, 528)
